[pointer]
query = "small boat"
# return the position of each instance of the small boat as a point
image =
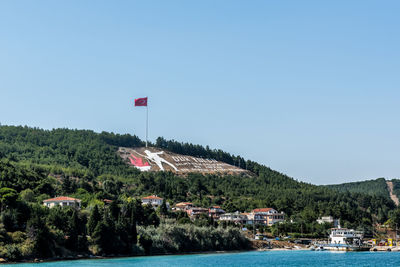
(317, 248)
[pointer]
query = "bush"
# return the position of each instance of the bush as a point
(13, 252)
(168, 238)
(184, 220)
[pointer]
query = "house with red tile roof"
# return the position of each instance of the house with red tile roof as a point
(195, 212)
(266, 216)
(266, 210)
(182, 206)
(153, 200)
(62, 201)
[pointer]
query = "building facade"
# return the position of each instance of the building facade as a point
(215, 212)
(266, 216)
(329, 219)
(235, 217)
(62, 201)
(195, 212)
(183, 206)
(153, 200)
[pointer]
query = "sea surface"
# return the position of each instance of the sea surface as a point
(247, 259)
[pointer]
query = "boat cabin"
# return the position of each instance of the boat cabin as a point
(345, 236)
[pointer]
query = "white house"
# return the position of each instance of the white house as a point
(62, 201)
(329, 219)
(154, 200)
(235, 217)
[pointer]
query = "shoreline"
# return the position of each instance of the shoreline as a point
(93, 257)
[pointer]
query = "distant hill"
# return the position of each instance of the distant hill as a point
(377, 187)
(93, 166)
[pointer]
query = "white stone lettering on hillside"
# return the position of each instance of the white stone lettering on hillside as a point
(155, 157)
(152, 159)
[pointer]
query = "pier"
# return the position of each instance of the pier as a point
(385, 248)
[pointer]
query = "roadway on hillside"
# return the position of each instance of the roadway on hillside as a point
(392, 196)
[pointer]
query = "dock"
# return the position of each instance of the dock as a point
(385, 248)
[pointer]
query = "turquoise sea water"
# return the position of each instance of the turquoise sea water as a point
(248, 259)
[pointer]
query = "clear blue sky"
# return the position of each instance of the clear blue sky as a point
(309, 88)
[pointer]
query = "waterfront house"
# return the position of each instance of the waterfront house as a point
(265, 216)
(62, 201)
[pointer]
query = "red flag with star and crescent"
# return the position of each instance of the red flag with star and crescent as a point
(141, 102)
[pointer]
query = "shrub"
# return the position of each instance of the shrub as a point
(168, 238)
(13, 252)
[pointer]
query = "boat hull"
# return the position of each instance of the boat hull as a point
(335, 247)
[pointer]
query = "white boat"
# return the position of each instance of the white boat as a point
(343, 239)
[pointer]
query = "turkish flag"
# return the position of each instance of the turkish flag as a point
(141, 102)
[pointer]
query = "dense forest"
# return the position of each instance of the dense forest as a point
(38, 164)
(375, 187)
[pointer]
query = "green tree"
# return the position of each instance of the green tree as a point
(27, 195)
(162, 209)
(94, 219)
(39, 234)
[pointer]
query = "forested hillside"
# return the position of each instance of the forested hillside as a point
(375, 187)
(92, 157)
(37, 164)
(396, 187)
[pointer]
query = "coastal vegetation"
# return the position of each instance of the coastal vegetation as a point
(38, 164)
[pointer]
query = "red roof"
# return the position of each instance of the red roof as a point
(61, 199)
(152, 197)
(262, 210)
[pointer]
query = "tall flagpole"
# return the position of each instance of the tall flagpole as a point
(141, 102)
(147, 122)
